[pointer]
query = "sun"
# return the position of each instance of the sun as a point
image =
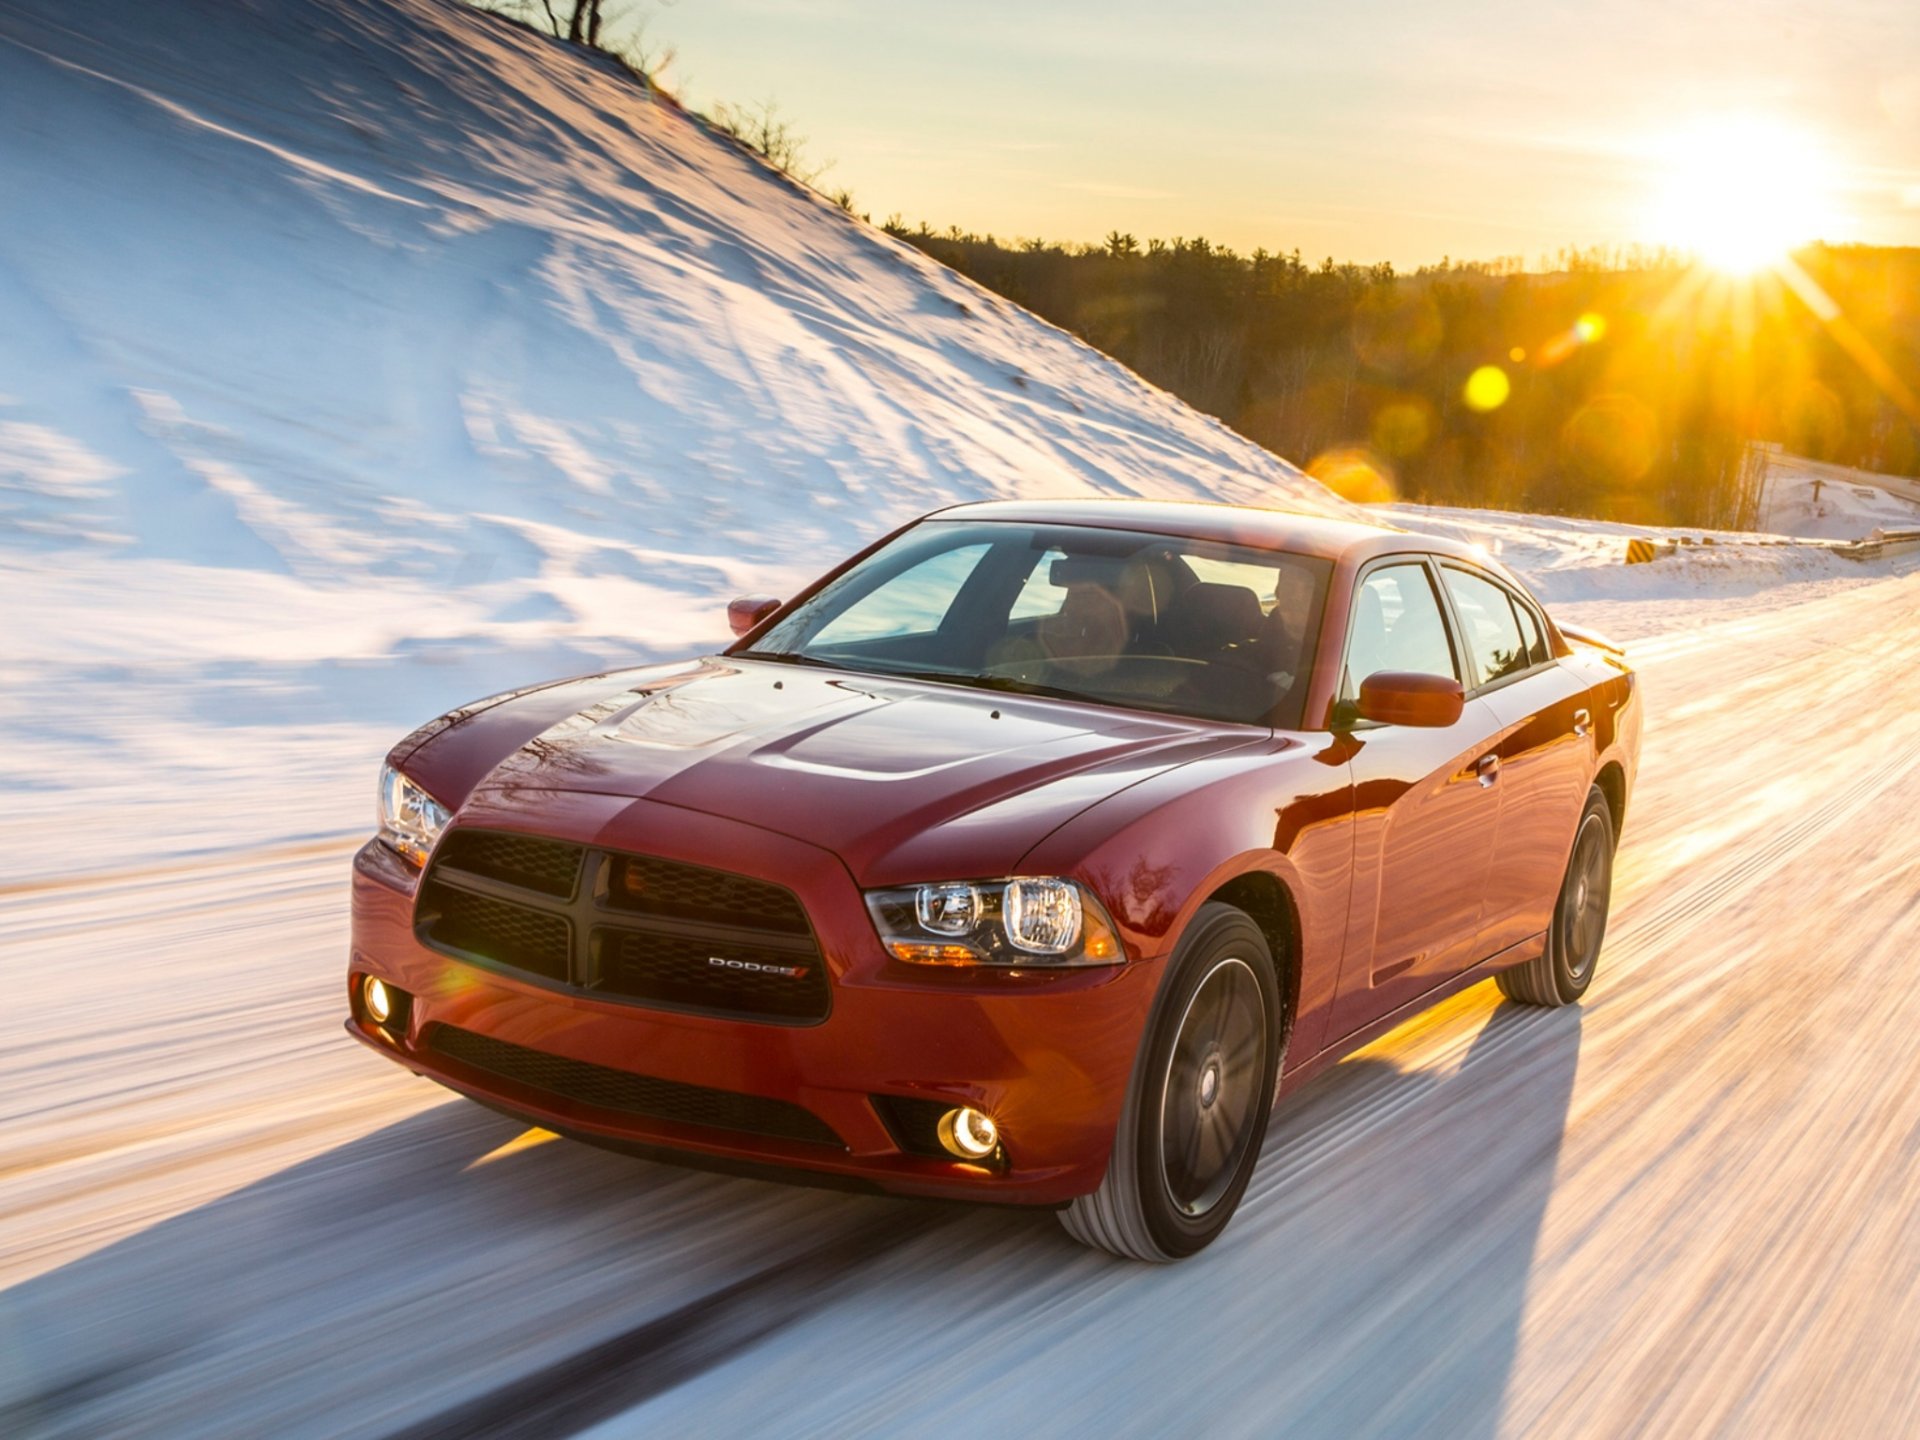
(1741, 192)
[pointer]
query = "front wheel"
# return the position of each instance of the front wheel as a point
(1564, 970)
(1191, 1131)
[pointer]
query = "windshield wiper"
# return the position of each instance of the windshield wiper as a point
(789, 657)
(1005, 683)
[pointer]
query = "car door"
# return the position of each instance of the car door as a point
(1425, 815)
(1543, 750)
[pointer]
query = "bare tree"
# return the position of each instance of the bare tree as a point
(603, 25)
(538, 14)
(584, 27)
(581, 25)
(762, 130)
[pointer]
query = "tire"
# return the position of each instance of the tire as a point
(1196, 1113)
(1564, 970)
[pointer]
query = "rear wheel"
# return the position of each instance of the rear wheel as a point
(1191, 1131)
(1564, 970)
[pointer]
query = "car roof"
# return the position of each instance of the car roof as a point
(1287, 530)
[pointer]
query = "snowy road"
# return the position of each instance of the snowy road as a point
(1690, 1206)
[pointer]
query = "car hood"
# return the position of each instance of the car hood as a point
(903, 780)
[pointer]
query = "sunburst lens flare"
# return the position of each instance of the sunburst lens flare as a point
(1741, 193)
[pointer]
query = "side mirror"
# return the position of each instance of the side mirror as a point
(749, 610)
(1401, 697)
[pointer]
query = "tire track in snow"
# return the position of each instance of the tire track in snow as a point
(653, 1357)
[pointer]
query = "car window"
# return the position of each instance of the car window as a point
(1530, 630)
(1121, 617)
(1153, 587)
(912, 602)
(1493, 634)
(1262, 579)
(1396, 625)
(1038, 594)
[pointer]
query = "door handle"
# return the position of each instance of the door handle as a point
(1488, 770)
(1582, 722)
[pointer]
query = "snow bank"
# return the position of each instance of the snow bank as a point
(362, 356)
(1811, 498)
(1578, 568)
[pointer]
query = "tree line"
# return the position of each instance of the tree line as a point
(1623, 385)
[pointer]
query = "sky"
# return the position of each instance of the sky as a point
(1362, 129)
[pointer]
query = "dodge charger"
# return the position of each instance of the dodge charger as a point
(1026, 857)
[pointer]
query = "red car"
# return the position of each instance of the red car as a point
(1023, 858)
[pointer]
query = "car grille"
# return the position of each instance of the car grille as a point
(550, 866)
(651, 886)
(506, 934)
(679, 971)
(637, 928)
(605, 1088)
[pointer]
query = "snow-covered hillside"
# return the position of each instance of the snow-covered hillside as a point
(364, 290)
(361, 356)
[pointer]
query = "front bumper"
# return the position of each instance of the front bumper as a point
(1049, 1056)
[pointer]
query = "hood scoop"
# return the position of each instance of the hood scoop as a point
(912, 735)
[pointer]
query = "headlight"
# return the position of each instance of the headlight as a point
(1035, 922)
(410, 819)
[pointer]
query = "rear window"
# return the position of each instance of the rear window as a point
(1531, 632)
(1495, 646)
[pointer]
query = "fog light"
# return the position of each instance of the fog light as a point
(969, 1133)
(379, 1001)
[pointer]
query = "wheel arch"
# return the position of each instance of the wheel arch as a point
(1265, 899)
(1612, 780)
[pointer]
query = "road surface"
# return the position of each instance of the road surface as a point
(1689, 1206)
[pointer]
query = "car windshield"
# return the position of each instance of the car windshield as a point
(1116, 617)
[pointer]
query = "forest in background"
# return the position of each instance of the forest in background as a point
(1622, 386)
